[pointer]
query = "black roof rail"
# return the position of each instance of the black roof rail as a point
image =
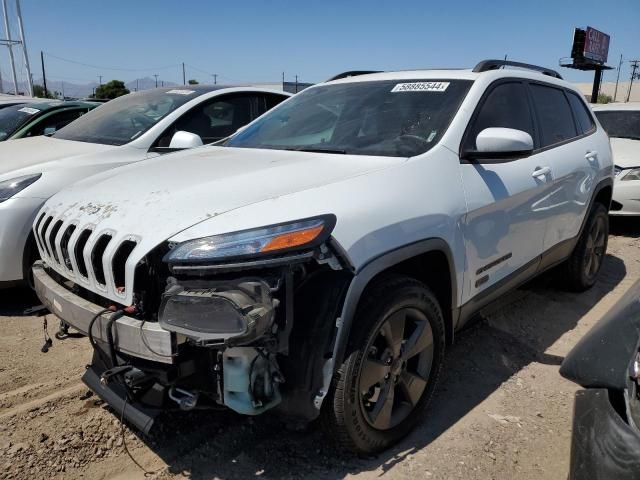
(352, 73)
(486, 65)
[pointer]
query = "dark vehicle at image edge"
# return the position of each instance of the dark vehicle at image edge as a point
(606, 362)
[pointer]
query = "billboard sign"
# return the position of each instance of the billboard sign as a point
(596, 45)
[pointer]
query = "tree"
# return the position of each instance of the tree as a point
(38, 91)
(193, 81)
(111, 90)
(604, 98)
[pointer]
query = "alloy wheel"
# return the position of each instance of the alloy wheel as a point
(395, 372)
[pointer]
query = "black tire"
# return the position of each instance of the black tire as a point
(349, 417)
(582, 268)
(29, 257)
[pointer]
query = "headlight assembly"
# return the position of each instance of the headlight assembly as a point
(9, 188)
(259, 241)
(633, 174)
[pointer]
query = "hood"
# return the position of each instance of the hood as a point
(153, 200)
(626, 152)
(602, 357)
(28, 152)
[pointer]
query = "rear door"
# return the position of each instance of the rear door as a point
(503, 231)
(566, 144)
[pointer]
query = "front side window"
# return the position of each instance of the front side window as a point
(554, 115)
(506, 106)
(399, 118)
(621, 123)
(124, 119)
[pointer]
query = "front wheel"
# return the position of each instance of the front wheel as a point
(397, 350)
(584, 264)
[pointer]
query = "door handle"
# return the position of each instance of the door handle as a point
(592, 156)
(541, 172)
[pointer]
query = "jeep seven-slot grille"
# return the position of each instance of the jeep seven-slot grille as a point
(63, 246)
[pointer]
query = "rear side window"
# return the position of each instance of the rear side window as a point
(583, 117)
(554, 115)
(505, 106)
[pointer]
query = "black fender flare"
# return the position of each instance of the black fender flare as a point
(361, 279)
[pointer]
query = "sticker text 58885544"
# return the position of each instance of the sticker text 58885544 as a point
(421, 87)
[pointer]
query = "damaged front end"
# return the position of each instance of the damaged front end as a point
(248, 323)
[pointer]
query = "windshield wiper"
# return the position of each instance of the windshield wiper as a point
(318, 150)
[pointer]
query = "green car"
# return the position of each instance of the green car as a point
(45, 118)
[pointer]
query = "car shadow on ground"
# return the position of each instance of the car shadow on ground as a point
(507, 337)
(16, 300)
(625, 226)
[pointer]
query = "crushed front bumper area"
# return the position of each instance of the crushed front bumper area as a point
(142, 368)
(147, 340)
(603, 446)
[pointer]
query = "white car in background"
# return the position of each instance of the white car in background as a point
(622, 123)
(125, 130)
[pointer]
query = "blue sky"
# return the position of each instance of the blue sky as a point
(257, 40)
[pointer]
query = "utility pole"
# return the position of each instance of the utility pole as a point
(296, 83)
(634, 67)
(136, 84)
(615, 92)
(184, 77)
(156, 75)
(44, 75)
(62, 86)
(215, 78)
(10, 43)
(100, 78)
(24, 48)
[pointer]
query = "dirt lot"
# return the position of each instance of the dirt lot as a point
(501, 412)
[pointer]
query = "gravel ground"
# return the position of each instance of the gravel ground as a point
(501, 412)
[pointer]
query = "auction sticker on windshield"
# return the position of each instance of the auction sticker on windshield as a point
(421, 87)
(29, 110)
(181, 92)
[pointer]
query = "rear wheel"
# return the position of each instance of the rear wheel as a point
(583, 266)
(388, 379)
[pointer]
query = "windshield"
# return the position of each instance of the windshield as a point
(621, 123)
(389, 118)
(124, 119)
(12, 118)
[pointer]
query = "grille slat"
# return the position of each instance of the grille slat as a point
(78, 252)
(43, 235)
(96, 258)
(52, 239)
(64, 246)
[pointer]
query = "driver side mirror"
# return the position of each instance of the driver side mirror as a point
(182, 140)
(498, 142)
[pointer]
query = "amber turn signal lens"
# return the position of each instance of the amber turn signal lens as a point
(293, 239)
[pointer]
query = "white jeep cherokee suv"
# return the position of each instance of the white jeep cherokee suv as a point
(321, 260)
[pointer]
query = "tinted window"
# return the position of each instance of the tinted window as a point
(554, 115)
(585, 121)
(55, 121)
(391, 118)
(506, 106)
(621, 123)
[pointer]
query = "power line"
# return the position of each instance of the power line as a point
(175, 65)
